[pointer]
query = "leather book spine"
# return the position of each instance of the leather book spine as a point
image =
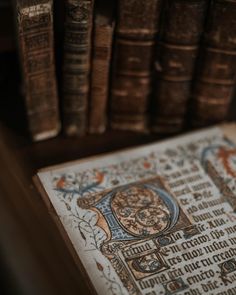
(137, 28)
(101, 61)
(36, 48)
(182, 27)
(216, 72)
(76, 65)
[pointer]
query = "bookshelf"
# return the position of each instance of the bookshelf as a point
(34, 255)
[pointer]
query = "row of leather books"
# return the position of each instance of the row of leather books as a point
(129, 64)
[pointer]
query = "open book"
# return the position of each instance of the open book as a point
(157, 219)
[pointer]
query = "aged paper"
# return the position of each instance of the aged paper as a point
(155, 220)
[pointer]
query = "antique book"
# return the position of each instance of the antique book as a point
(137, 27)
(156, 219)
(76, 68)
(175, 61)
(101, 62)
(36, 48)
(216, 71)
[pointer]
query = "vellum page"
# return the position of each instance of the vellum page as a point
(158, 219)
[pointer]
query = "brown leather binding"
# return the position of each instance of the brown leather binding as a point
(101, 61)
(175, 60)
(77, 47)
(138, 24)
(215, 77)
(35, 31)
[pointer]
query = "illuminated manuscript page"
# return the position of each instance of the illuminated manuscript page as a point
(158, 219)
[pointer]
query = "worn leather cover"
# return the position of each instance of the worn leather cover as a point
(101, 63)
(76, 69)
(35, 32)
(215, 78)
(175, 60)
(138, 25)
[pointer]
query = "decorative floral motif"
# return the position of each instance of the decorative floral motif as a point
(111, 283)
(85, 221)
(141, 211)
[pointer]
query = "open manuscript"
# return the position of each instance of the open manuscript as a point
(156, 220)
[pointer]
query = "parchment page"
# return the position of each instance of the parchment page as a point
(159, 219)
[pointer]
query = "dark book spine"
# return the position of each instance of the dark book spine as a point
(36, 46)
(76, 69)
(183, 22)
(215, 75)
(138, 25)
(101, 61)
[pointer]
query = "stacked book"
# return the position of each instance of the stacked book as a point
(138, 65)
